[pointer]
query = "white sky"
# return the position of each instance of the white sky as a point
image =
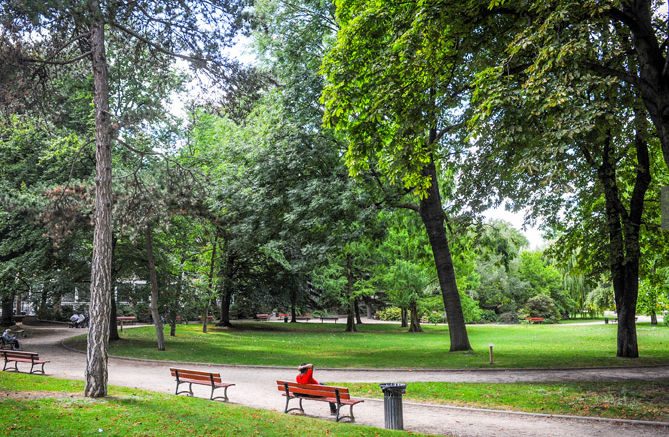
(533, 235)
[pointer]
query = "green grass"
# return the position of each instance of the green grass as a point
(626, 400)
(41, 406)
(389, 346)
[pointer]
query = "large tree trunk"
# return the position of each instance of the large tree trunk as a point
(98, 332)
(7, 310)
(624, 247)
(157, 321)
(415, 319)
(205, 320)
(404, 317)
(358, 319)
(350, 280)
(433, 216)
(226, 287)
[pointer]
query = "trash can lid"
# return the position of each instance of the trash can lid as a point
(394, 387)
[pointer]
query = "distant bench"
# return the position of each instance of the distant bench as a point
(303, 318)
(534, 319)
(335, 318)
(323, 393)
(23, 357)
(209, 379)
(126, 319)
(263, 317)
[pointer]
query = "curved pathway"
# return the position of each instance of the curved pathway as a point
(256, 387)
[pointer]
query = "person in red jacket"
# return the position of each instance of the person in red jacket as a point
(306, 376)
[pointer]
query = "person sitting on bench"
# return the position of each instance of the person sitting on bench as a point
(9, 338)
(306, 376)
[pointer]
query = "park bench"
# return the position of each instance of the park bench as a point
(314, 392)
(263, 317)
(23, 357)
(209, 379)
(4, 344)
(303, 318)
(126, 319)
(534, 319)
(335, 318)
(209, 318)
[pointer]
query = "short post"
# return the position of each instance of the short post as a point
(392, 405)
(491, 345)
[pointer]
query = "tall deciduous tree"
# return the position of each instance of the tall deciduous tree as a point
(193, 30)
(397, 78)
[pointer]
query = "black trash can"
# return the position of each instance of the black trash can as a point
(392, 404)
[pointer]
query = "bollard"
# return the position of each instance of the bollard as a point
(392, 405)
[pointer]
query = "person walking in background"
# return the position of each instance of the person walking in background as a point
(306, 376)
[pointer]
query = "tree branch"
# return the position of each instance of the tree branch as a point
(156, 46)
(69, 61)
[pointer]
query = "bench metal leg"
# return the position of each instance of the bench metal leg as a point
(190, 388)
(16, 366)
(37, 371)
(350, 415)
(288, 398)
(224, 397)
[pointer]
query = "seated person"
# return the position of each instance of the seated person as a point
(306, 376)
(9, 338)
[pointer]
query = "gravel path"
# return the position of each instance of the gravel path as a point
(255, 387)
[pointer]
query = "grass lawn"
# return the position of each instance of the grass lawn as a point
(389, 346)
(620, 400)
(34, 405)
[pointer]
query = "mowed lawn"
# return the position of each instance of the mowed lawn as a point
(389, 346)
(33, 405)
(635, 400)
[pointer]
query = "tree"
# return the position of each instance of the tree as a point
(191, 30)
(396, 82)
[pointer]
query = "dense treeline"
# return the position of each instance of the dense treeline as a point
(345, 170)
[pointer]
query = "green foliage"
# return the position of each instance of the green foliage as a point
(543, 306)
(391, 314)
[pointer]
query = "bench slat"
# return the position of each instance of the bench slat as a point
(314, 390)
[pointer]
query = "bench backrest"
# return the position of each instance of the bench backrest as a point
(313, 389)
(20, 354)
(126, 318)
(196, 375)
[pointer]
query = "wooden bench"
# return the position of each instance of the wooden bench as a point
(534, 319)
(323, 393)
(4, 344)
(209, 379)
(23, 357)
(263, 317)
(303, 318)
(126, 319)
(335, 318)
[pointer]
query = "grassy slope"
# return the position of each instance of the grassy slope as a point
(33, 405)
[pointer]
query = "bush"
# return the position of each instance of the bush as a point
(143, 312)
(489, 316)
(436, 317)
(543, 306)
(510, 317)
(391, 314)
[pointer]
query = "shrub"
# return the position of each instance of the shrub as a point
(391, 313)
(543, 306)
(436, 317)
(510, 317)
(489, 316)
(143, 312)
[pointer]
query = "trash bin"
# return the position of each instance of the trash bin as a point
(606, 320)
(392, 404)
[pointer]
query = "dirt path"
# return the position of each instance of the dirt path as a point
(256, 388)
